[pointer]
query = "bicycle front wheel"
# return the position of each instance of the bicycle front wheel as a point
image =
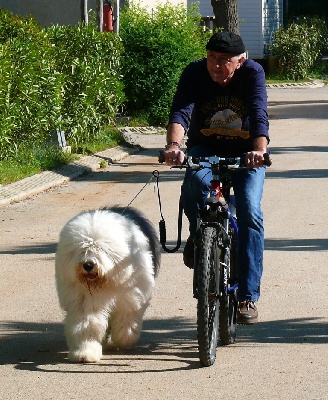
(228, 297)
(208, 294)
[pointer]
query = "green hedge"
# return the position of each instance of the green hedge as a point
(59, 78)
(29, 99)
(90, 65)
(158, 45)
(76, 79)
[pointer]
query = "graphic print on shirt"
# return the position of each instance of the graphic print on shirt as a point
(226, 122)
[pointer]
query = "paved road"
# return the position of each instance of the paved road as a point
(283, 357)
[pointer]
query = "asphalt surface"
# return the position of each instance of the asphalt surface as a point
(284, 356)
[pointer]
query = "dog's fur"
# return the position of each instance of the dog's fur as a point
(106, 264)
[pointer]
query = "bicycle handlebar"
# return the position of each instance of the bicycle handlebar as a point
(229, 162)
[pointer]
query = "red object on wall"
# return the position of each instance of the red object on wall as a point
(108, 17)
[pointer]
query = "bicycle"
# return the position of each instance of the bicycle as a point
(215, 253)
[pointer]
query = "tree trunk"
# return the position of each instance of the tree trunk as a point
(226, 15)
(84, 11)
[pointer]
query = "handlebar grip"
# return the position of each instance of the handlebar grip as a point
(267, 159)
(161, 157)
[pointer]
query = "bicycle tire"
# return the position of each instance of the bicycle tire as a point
(207, 296)
(228, 297)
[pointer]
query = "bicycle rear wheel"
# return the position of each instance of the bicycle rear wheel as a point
(207, 296)
(228, 297)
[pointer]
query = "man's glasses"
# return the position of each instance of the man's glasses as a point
(221, 60)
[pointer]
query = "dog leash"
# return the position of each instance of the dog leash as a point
(147, 183)
(162, 224)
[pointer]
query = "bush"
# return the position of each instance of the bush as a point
(30, 98)
(157, 46)
(71, 78)
(89, 62)
(13, 26)
(66, 78)
(298, 46)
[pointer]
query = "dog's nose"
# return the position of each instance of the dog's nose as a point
(88, 266)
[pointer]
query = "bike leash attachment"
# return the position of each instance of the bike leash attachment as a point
(162, 224)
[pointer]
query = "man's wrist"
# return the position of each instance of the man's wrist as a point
(171, 144)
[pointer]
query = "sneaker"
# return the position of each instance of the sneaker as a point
(247, 313)
(188, 253)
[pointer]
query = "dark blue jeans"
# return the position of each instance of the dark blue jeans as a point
(248, 189)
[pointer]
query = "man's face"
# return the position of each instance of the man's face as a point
(222, 66)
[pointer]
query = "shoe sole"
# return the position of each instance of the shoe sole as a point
(247, 322)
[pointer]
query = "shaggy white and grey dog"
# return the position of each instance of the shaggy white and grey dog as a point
(106, 264)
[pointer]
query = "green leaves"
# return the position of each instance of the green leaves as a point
(75, 79)
(298, 46)
(66, 78)
(158, 45)
(90, 64)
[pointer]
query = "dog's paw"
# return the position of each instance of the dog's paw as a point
(109, 345)
(124, 338)
(89, 352)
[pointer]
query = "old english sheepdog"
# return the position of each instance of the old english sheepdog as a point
(106, 264)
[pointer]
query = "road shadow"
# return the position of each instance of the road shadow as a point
(298, 109)
(51, 248)
(270, 244)
(297, 174)
(77, 171)
(296, 244)
(287, 331)
(296, 149)
(41, 347)
(134, 176)
(40, 248)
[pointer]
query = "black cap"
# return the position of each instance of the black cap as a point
(226, 42)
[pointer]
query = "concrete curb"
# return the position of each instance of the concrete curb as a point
(35, 184)
(313, 84)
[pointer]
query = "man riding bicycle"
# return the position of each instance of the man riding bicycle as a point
(221, 103)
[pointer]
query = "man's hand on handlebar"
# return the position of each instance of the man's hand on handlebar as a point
(255, 159)
(174, 156)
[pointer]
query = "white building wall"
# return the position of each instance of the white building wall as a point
(205, 7)
(272, 21)
(258, 20)
(251, 20)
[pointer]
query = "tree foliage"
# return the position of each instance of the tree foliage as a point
(158, 45)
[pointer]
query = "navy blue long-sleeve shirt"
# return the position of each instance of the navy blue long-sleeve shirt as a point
(227, 118)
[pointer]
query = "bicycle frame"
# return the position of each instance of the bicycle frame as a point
(219, 212)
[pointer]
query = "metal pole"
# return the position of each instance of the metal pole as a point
(117, 16)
